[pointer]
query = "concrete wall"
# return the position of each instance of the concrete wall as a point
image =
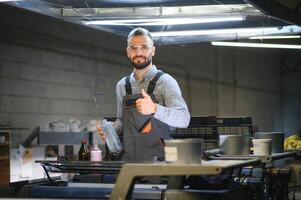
(231, 82)
(50, 70)
(291, 79)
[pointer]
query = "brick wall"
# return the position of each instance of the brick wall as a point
(50, 70)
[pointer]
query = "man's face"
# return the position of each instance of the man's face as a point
(140, 51)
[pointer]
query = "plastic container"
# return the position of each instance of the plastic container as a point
(231, 145)
(183, 150)
(2, 139)
(96, 153)
(277, 140)
(262, 147)
(112, 138)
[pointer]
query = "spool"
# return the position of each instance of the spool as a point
(231, 145)
(262, 147)
(183, 150)
(277, 140)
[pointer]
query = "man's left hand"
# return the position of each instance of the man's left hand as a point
(145, 105)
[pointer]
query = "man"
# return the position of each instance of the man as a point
(149, 103)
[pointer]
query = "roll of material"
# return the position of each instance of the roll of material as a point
(262, 147)
(277, 140)
(183, 150)
(235, 144)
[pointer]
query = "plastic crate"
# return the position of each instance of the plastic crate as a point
(200, 127)
(234, 126)
(210, 127)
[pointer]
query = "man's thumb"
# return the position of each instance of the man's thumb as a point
(144, 94)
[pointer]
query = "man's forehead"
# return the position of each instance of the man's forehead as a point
(140, 39)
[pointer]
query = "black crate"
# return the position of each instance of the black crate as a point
(234, 125)
(209, 128)
(200, 127)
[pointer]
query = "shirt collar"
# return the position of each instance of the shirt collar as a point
(148, 75)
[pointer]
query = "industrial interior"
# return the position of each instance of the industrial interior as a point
(238, 66)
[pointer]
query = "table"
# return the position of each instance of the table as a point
(130, 171)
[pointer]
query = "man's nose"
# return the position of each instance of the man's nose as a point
(139, 50)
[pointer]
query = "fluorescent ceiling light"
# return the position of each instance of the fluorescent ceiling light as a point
(275, 37)
(256, 45)
(236, 32)
(163, 21)
(253, 31)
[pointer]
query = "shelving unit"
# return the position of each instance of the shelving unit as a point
(5, 158)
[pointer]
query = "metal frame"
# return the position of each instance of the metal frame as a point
(129, 172)
(263, 159)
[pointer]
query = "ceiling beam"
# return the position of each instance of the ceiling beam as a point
(270, 7)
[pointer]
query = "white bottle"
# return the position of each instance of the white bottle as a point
(112, 138)
(96, 153)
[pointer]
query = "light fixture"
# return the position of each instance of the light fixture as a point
(216, 31)
(275, 37)
(234, 32)
(163, 21)
(256, 45)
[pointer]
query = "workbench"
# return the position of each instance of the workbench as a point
(130, 171)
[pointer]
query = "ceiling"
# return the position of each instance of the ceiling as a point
(177, 21)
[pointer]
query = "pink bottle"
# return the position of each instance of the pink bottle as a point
(96, 153)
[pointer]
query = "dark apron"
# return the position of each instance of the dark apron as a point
(143, 135)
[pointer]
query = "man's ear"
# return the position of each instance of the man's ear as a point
(153, 50)
(127, 53)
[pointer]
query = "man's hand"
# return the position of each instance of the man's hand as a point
(101, 133)
(145, 105)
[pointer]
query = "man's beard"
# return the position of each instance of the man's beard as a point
(141, 65)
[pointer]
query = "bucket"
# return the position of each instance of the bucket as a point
(277, 140)
(262, 147)
(183, 150)
(234, 144)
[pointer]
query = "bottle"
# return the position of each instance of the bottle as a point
(112, 139)
(96, 153)
(83, 153)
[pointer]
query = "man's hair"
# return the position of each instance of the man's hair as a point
(139, 31)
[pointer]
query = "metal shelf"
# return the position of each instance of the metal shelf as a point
(4, 144)
(110, 167)
(67, 138)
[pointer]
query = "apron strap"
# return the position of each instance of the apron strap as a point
(152, 83)
(128, 87)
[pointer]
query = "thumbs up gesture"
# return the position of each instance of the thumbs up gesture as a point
(145, 105)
